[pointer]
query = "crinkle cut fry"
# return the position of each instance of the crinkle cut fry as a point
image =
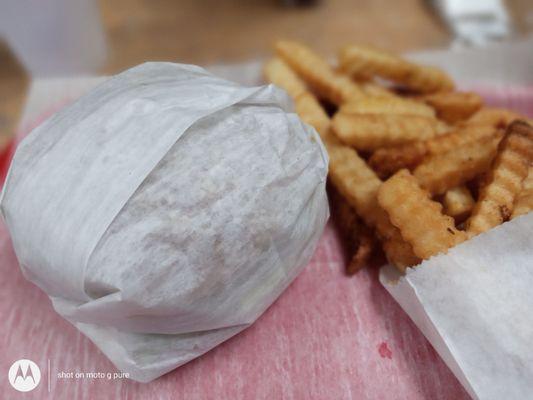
(311, 112)
(388, 160)
(342, 181)
(359, 186)
(458, 203)
(372, 131)
(388, 105)
(428, 79)
(357, 237)
(317, 73)
(280, 74)
(370, 88)
(441, 172)
(454, 106)
(399, 252)
(497, 117)
(524, 202)
(354, 180)
(418, 218)
(509, 169)
(307, 106)
(364, 62)
(461, 136)
(361, 257)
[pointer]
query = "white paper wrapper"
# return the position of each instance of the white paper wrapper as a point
(165, 210)
(475, 306)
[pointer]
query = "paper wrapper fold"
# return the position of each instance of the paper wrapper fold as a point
(165, 210)
(475, 306)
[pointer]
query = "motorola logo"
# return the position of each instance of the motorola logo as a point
(24, 375)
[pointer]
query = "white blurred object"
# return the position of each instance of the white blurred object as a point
(475, 22)
(54, 37)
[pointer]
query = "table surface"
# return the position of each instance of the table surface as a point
(211, 31)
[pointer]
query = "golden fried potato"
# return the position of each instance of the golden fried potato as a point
(355, 181)
(461, 136)
(280, 74)
(365, 62)
(440, 172)
(497, 117)
(387, 160)
(307, 106)
(312, 113)
(399, 252)
(428, 79)
(504, 183)
(359, 185)
(415, 121)
(361, 257)
(317, 73)
(418, 218)
(524, 201)
(453, 107)
(372, 89)
(359, 240)
(388, 105)
(375, 122)
(458, 203)
(372, 131)
(349, 174)
(343, 162)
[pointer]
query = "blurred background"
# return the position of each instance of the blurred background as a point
(47, 38)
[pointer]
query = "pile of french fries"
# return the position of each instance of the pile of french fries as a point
(424, 167)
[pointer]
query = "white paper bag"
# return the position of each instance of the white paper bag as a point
(475, 305)
(165, 210)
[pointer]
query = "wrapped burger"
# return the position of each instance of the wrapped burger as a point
(165, 210)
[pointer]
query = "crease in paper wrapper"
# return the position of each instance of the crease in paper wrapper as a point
(475, 306)
(152, 276)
